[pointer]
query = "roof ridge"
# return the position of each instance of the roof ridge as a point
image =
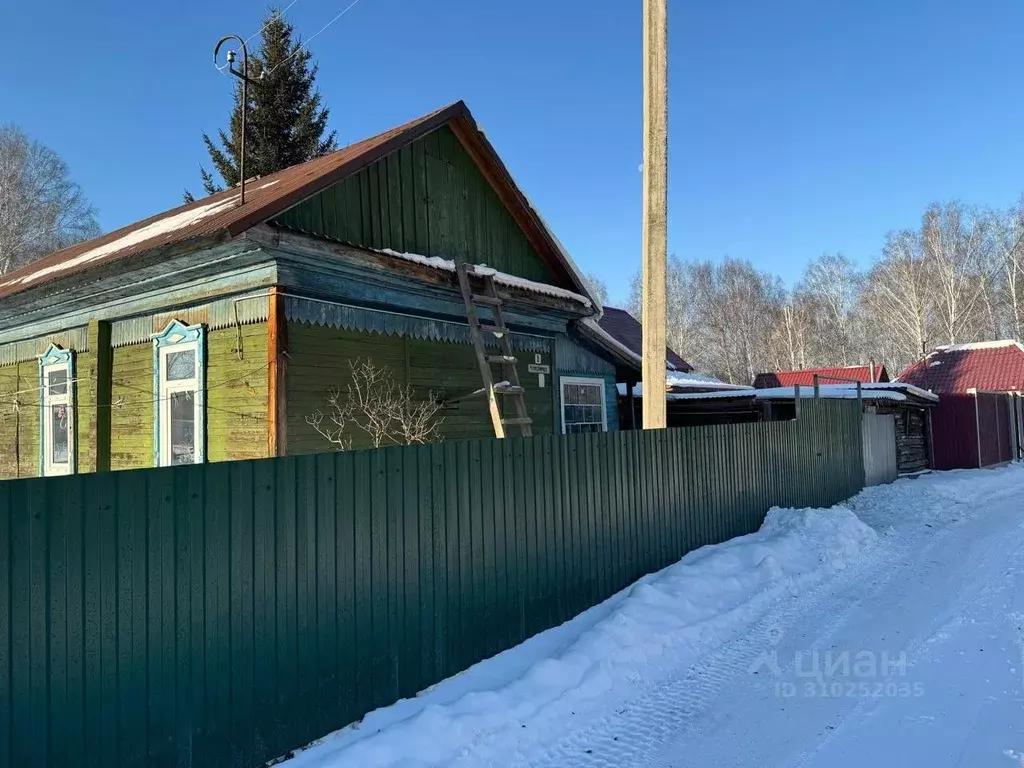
(217, 218)
(975, 346)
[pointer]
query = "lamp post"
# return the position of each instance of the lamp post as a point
(242, 75)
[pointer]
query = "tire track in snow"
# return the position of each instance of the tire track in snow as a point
(667, 710)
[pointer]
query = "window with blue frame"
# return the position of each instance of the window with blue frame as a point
(56, 412)
(179, 382)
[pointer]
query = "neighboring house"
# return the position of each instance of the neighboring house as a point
(981, 418)
(621, 335)
(866, 374)
(214, 330)
(993, 366)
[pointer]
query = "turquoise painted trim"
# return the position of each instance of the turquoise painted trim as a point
(55, 355)
(175, 333)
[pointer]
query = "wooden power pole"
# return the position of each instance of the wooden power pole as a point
(655, 219)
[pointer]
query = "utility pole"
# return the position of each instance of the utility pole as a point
(655, 220)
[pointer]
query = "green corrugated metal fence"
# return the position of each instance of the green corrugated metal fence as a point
(220, 615)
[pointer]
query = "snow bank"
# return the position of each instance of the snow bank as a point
(664, 620)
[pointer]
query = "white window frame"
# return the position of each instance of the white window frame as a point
(569, 380)
(178, 337)
(56, 359)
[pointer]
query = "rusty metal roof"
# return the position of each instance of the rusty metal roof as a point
(219, 215)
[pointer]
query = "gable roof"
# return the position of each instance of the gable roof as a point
(988, 365)
(626, 331)
(220, 217)
(805, 377)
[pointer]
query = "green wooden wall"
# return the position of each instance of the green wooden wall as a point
(19, 429)
(318, 360)
(131, 413)
(223, 614)
(236, 393)
(428, 198)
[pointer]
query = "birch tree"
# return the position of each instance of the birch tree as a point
(832, 284)
(954, 244)
(41, 209)
(896, 296)
(1007, 229)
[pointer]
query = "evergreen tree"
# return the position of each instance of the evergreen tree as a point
(286, 122)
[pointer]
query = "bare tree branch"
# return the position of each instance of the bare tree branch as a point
(41, 209)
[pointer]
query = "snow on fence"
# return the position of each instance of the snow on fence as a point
(223, 614)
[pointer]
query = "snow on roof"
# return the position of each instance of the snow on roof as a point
(166, 227)
(689, 381)
(898, 386)
(828, 392)
(513, 281)
(696, 380)
(978, 345)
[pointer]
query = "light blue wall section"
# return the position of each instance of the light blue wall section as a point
(573, 360)
(570, 357)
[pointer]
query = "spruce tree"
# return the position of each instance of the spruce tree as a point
(286, 122)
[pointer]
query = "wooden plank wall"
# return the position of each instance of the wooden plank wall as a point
(131, 412)
(236, 393)
(319, 357)
(223, 614)
(428, 198)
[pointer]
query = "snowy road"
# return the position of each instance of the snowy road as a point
(892, 638)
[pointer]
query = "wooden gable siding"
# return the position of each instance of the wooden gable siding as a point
(318, 360)
(236, 398)
(428, 198)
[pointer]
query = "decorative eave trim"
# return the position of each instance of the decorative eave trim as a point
(223, 313)
(352, 318)
(31, 349)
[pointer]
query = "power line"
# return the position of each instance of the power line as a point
(298, 48)
(278, 15)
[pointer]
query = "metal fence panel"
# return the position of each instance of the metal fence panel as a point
(223, 614)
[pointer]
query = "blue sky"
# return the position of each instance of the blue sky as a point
(796, 126)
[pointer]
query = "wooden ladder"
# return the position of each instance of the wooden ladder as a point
(509, 385)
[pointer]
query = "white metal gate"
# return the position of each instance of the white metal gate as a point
(879, 448)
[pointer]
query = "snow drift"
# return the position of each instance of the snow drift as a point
(664, 619)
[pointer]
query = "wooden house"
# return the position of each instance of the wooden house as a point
(214, 330)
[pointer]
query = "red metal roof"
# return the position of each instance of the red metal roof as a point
(992, 365)
(268, 196)
(805, 377)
